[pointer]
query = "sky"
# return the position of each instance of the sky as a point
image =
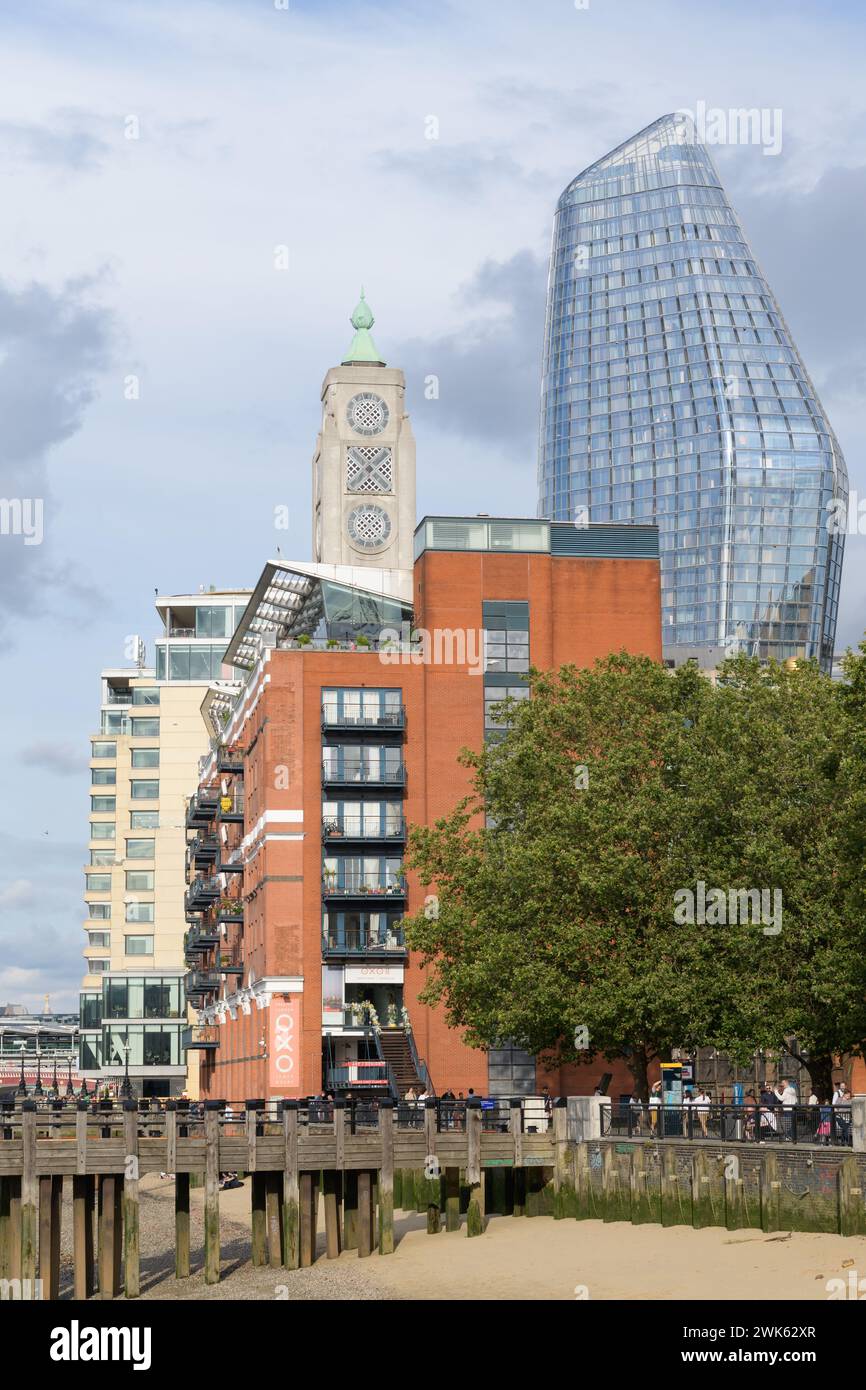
(194, 192)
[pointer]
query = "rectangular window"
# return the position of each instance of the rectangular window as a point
(139, 849)
(113, 722)
(143, 820)
(140, 790)
(212, 622)
(98, 883)
(103, 749)
(139, 912)
(103, 776)
(99, 912)
(139, 880)
(144, 726)
(145, 757)
(506, 636)
(102, 856)
(102, 830)
(99, 938)
(102, 803)
(146, 695)
(138, 945)
(98, 967)
(89, 1009)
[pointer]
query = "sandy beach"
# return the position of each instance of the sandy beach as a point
(528, 1258)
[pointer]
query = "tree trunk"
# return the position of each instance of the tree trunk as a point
(638, 1064)
(820, 1069)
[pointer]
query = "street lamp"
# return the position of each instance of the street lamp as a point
(126, 1084)
(37, 1090)
(22, 1084)
(69, 1087)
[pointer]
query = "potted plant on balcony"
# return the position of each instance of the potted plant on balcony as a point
(392, 1014)
(304, 639)
(362, 639)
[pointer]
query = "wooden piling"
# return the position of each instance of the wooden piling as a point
(332, 1195)
(771, 1192)
(474, 1176)
(212, 1257)
(386, 1178)
(291, 1188)
(350, 1210)
(564, 1190)
(365, 1213)
(29, 1196)
(851, 1213)
(452, 1199)
(131, 1210)
(83, 1204)
(258, 1221)
(309, 1203)
(431, 1169)
(50, 1214)
(274, 1217)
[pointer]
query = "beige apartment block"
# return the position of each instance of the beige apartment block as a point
(144, 764)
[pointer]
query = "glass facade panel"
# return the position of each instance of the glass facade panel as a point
(672, 391)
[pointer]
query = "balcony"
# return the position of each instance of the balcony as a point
(364, 886)
(231, 866)
(200, 984)
(355, 1074)
(200, 1038)
(201, 939)
(362, 774)
(203, 851)
(230, 760)
(202, 807)
(340, 1017)
(202, 894)
(357, 720)
(353, 829)
(230, 910)
(361, 941)
(231, 806)
(231, 963)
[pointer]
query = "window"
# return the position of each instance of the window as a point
(139, 912)
(363, 707)
(97, 883)
(139, 849)
(144, 726)
(143, 820)
(102, 830)
(493, 695)
(511, 1071)
(139, 880)
(145, 757)
(99, 912)
(102, 803)
(103, 776)
(113, 722)
(89, 1052)
(146, 695)
(130, 996)
(103, 749)
(98, 967)
(189, 663)
(144, 1047)
(102, 856)
(99, 938)
(506, 636)
(89, 1010)
(138, 945)
(140, 790)
(212, 622)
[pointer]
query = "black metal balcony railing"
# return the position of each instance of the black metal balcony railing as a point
(203, 850)
(364, 886)
(351, 774)
(364, 719)
(340, 1017)
(202, 893)
(230, 910)
(361, 941)
(794, 1124)
(230, 760)
(358, 828)
(202, 982)
(200, 1037)
(230, 807)
(358, 1074)
(202, 807)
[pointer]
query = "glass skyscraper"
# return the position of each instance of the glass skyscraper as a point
(672, 391)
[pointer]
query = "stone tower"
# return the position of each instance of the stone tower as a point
(364, 464)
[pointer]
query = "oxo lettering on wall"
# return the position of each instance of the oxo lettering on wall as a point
(285, 1046)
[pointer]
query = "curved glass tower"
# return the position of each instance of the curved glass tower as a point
(672, 391)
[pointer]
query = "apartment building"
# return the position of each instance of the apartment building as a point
(144, 762)
(365, 678)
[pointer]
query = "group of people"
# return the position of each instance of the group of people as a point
(767, 1116)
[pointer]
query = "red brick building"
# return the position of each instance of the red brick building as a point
(331, 750)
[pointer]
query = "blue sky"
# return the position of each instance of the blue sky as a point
(258, 128)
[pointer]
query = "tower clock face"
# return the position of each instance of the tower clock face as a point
(369, 526)
(367, 414)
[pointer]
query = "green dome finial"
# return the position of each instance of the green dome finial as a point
(362, 348)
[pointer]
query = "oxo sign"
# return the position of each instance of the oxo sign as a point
(285, 1045)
